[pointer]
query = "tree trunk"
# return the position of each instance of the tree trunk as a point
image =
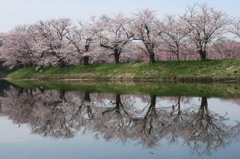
(203, 55)
(118, 101)
(86, 97)
(85, 60)
(204, 104)
(203, 108)
(118, 104)
(179, 105)
(152, 58)
(150, 115)
(178, 59)
(153, 101)
(151, 109)
(116, 55)
(62, 63)
(62, 94)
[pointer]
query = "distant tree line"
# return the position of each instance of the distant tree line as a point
(197, 34)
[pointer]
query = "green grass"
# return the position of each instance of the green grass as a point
(158, 70)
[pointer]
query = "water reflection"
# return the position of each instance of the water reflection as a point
(61, 114)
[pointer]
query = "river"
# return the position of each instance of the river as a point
(97, 120)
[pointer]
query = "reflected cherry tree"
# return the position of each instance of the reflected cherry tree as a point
(62, 114)
(207, 130)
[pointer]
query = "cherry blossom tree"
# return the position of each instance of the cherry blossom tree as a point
(227, 49)
(235, 26)
(174, 35)
(189, 51)
(50, 41)
(205, 25)
(147, 28)
(2, 41)
(83, 39)
(2, 38)
(17, 49)
(114, 33)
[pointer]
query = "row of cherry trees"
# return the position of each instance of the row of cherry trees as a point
(196, 34)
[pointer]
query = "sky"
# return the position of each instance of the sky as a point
(20, 12)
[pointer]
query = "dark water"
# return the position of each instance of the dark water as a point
(47, 123)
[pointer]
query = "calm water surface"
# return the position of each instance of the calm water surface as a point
(59, 124)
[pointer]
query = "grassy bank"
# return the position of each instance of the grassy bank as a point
(143, 71)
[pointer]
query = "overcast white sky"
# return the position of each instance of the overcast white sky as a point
(18, 12)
